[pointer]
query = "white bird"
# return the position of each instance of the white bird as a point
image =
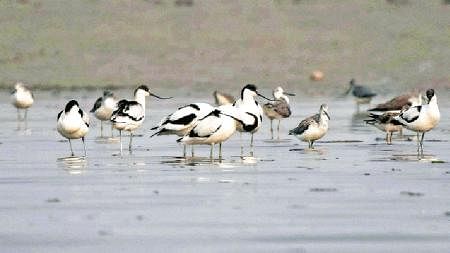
(73, 123)
(421, 118)
(214, 128)
(182, 121)
(22, 98)
(278, 109)
(131, 114)
(386, 122)
(313, 128)
(250, 112)
(103, 109)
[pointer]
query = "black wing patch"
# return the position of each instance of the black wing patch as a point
(97, 104)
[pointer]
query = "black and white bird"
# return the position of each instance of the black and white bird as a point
(221, 98)
(182, 121)
(398, 103)
(130, 115)
(362, 94)
(278, 109)
(421, 118)
(214, 128)
(73, 123)
(386, 122)
(313, 127)
(22, 98)
(103, 109)
(250, 112)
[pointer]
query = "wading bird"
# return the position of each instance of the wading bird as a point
(22, 98)
(103, 109)
(362, 94)
(73, 123)
(313, 127)
(278, 109)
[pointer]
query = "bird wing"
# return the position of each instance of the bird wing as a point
(207, 126)
(97, 104)
(128, 109)
(304, 124)
(282, 108)
(363, 92)
(396, 103)
(411, 114)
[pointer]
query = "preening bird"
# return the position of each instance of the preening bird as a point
(386, 122)
(22, 98)
(103, 109)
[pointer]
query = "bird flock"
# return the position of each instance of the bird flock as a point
(205, 124)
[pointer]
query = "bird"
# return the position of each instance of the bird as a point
(421, 119)
(214, 128)
(73, 123)
(313, 127)
(250, 112)
(182, 121)
(386, 122)
(362, 94)
(398, 103)
(130, 115)
(103, 109)
(223, 98)
(22, 98)
(278, 109)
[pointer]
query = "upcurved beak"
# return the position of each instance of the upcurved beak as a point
(156, 96)
(265, 97)
(289, 94)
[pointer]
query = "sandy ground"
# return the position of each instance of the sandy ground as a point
(352, 194)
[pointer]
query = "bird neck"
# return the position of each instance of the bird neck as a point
(140, 98)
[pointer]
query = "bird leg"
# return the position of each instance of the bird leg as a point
(220, 151)
(131, 141)
(192, 150)
(211, 152)
(112, 131)
(421, 143)
(390, 138)
(25, 119)
(271, 129)
(242, 147)
(418, 145)
(184, 150)
(101, 128)
(71, 149)
(84, 146)
(120, 139)
(251, 145)
(278, 129)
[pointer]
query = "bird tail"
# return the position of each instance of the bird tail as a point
(157, 133)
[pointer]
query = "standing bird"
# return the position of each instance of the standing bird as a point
(214, 128)
(182, 121)
(278, 109)
(103, 109)
(223, 98)
(386, 122)
(421, 118)
(313, 127)
(130, 115)
(399, 102)
(362, 94)
(250, 112)
(73, 123)
(22, 98)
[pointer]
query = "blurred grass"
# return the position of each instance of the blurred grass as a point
(224, 43)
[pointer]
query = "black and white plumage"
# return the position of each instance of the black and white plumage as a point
(73, 123)
(250, 112)
(182, 120)
(22, 98)
(221, 98)
(214, 128)
(386, 122)
(421, 118)
(130, 115)
(362, 94)
(103, 108)
(398, 103)
(313, 127)
(278, 109)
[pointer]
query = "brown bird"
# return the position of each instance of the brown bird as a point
(397, 103)
(223, 98)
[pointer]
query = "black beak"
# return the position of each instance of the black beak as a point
(265, 97)
(156, 96)
(326, 113)
(289, 94)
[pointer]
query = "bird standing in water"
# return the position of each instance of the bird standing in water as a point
(313, 128)
(278, 109)
(103, 109)
(22, 98)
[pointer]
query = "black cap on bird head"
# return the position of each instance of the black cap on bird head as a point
(430, 93)
(141, 87)
(251, 87)
(71, 104)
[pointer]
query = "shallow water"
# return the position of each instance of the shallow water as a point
(352, 193)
